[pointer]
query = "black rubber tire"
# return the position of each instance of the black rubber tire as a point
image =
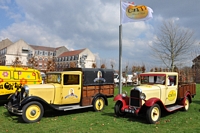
(153, 114)
(99, 104)
(32, 112)
(117, 109)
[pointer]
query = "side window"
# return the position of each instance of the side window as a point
(172, 80)
(25, 75)
(70, 79)
(16, 75)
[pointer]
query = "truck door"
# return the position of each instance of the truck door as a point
(71, 92)
(171, 89)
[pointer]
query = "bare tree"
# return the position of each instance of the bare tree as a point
(172, 44)
(112, 63)
(51, 65)
(32, 62)
(17, 62)
(72, 64)
(94, 65)
(103, 66)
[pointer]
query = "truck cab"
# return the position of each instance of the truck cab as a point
(158, 90)
(66, 90)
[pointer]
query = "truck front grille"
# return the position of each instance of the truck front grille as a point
(135, 98)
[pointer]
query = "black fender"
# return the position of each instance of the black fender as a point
(34, 98)
(100, 95)
(11, 97)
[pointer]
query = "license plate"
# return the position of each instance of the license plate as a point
(129, 111)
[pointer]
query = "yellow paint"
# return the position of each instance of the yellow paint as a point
(149, 86)
(172, 95)
(136, 12)
(13, 78)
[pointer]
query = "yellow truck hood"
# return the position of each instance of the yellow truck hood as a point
(44, 91)
(151, 90)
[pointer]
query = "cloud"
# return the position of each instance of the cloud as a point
(92, 24)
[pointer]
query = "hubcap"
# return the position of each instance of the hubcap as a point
(186, 104)
(33, 112)
(155, 114)
(99, 104)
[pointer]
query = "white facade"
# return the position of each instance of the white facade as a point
(9, 51)
(90, 59)
(18, 49)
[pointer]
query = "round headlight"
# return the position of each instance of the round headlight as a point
(124, 94)
(142, 96)
(26, 91)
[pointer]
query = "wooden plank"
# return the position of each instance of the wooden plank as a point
(88, 92)
(183, 88)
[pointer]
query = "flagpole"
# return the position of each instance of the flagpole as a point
(120, 51)
(120, 59)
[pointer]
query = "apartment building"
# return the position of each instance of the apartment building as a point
(42, 54)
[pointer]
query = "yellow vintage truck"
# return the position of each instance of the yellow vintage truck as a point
(70, 89)
(13, 78)
(157, 91)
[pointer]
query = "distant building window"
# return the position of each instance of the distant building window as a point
(41, 52)
(76, 57)
(51, 53)
(46, 53)
(40, 59)
(69, 58)
(72, 57)
(65, 58)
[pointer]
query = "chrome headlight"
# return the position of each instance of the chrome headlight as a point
(142, 96)
(26, 91)
(124, 94)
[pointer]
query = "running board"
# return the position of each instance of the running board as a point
(72, 107)
(175, 107)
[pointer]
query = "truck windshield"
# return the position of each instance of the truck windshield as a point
(152, 79)
(54, 78)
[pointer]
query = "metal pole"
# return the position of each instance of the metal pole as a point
(120, 59)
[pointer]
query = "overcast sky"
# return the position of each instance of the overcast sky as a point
(93, 24)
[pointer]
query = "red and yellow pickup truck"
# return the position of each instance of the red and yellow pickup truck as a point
(157, 91)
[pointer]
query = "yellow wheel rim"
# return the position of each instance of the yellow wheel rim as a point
(99, 104)
(155, 114)
(33, 112)
(186, 104)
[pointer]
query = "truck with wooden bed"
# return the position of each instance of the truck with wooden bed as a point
(73, 88)
(157, 91)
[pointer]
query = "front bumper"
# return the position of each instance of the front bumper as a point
(132, 110)
(13, 110)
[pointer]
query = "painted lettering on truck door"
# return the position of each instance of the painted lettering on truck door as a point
(171, 90)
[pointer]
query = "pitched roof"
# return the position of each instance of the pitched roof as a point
(71, 53)
(5, 43)
(43, 48)
(196, 59)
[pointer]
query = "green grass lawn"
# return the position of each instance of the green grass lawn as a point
(88, 121)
